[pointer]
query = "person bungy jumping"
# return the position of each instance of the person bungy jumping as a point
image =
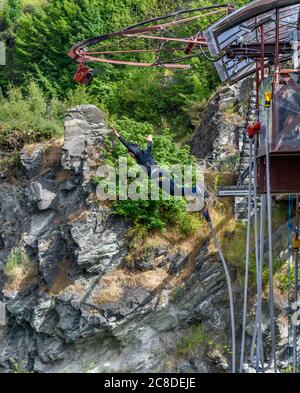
(157, 175)
(145, 158)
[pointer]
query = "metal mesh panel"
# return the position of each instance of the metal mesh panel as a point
(265, 114)
(286, 129)
(243, 27)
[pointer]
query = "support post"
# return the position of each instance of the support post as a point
(277, 39)
(296, 297)
(262, 30)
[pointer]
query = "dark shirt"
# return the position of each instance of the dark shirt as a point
(143, 157)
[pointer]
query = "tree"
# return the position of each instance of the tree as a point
(12, 11)
(44, 37)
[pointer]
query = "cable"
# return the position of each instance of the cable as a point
(269, 207)
(247, 261)
(211, 59)
(289, 276)
(259, 273)
(257, 335)
(176, 13)
(229, 285)
(260, 350)
(296, 289)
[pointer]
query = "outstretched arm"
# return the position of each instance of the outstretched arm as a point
(150, 144)
(129, 146)
(121, 138)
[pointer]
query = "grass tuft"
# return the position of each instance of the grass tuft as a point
(19, 270)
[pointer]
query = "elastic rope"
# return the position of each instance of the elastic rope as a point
(230, 292)
(257, 260)
(271, 289)
(260, 351)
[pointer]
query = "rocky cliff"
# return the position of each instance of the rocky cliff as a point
(86, 302)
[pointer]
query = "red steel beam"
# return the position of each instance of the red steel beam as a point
(201, 41)
(170, 24)
(277, 47)
(85, 59)
(117, 52)
(262, 29)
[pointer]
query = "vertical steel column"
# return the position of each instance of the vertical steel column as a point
(296, 297)
(277, 39)
(262, 30)
(257, 86)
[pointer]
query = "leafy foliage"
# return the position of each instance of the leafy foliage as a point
(12, 11)
(61, 23)
(197, 336)
(26, 115)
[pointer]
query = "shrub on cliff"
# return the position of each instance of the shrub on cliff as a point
(26, 116)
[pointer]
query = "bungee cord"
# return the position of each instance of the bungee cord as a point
(229, 286)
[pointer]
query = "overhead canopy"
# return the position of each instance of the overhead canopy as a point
(242, 27)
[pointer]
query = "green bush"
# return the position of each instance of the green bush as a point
(177, 294)
(284, 280)
(26, 115)
(12, 11)
(197, 335)
(157, 215)
(17, 263)
(11, 161)
(277, 264)
(19, 367)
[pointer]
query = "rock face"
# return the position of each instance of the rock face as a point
(218, 136)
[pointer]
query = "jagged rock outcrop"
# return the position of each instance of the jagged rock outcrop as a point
(218, 136)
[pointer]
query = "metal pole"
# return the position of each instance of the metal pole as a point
(247, 259)
(257, 85)
(296, 297)
(277, 58)
(262, 29)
